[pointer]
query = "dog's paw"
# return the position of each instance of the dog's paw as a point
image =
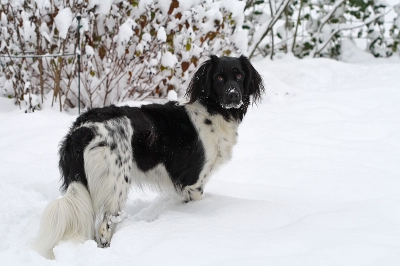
(192, 194)
(104, 244)
(105, 234)
(107, 228)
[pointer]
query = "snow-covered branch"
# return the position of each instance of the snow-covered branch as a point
(328, 16)
(324, 20)
(271, 23)
(318, 49)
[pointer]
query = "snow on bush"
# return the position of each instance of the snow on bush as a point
(317, 28)
(129, 49)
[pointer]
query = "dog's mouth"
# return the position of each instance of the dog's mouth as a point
(232, 105)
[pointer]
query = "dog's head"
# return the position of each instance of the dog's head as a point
(225, 84)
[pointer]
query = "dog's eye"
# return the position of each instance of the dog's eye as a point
(220, 78)
(239, 76)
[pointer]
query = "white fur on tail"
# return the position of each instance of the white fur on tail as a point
(68, 218)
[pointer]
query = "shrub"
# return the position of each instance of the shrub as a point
(129, 50)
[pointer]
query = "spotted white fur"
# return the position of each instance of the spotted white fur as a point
(218, 137)
(108, 171)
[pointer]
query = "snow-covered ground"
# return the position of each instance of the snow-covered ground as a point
(314, 180)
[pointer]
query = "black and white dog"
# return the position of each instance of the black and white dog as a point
(171, 145)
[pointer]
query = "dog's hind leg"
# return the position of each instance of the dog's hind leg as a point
(107, 229)
(108, 170)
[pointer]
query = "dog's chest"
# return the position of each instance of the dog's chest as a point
(217, 135)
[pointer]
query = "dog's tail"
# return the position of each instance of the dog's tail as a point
(68, 218)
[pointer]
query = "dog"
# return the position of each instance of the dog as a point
(174, 145)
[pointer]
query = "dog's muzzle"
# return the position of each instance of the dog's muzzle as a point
(232, 99)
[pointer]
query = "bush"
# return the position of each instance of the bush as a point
(135, 50)
(316, 28)
(130, 50)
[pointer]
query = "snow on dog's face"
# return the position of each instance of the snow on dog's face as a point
(224, 85)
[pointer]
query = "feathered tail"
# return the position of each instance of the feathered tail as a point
(68, 218)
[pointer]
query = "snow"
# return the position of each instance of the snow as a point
(314, 180)
(172, 95)
(146, 37)
(63, 21)
(161, 35)
(89, 51)
(236, 10)
(124, 35)
(102, 6)
(168, 60)
(164, 6)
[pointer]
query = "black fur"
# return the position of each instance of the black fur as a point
(71, 156)
(167, 137)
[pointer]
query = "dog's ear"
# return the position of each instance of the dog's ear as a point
(200, 85)
(253, 82)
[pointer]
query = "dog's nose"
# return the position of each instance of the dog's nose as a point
(233, 96)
